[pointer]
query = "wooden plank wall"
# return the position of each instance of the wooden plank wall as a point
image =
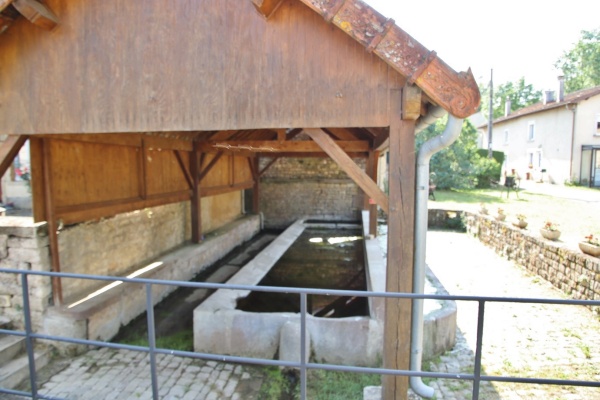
(95, 176)
(149, 66)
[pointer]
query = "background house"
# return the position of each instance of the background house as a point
(554, 141)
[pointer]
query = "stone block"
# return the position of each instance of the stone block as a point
(29, 243)
(5, 301)
(289, 342)
(56, 323)
(33, 256)
(22, 227)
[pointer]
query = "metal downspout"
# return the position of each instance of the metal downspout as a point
(427, 150)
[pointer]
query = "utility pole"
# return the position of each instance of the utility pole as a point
(491, 113)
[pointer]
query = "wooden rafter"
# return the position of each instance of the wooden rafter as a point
(345, 163)
(266, 167)
(9, 150)
(37, 13)
(342, 133)
(382, 141)
(272, 146)
(184, 169)
(210, 165)
(320, 154)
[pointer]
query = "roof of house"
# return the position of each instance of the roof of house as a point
(571, 98)
(456, 92)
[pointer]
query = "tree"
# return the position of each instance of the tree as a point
(581, 64)
(458, 166)
(519, 93)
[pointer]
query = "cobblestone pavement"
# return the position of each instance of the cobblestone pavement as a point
(524, 340)
(111, 374)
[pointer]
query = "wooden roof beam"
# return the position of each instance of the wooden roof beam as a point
(457, 93)
(37, 13)
(272, 146)
(345, 163)
(266, 8)
(342, 133)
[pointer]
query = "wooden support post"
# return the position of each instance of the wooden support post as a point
(196, 197)
(368, 204)
(254, 165)
(57, 295)
(396, 351)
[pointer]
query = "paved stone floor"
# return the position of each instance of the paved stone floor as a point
(542, 341)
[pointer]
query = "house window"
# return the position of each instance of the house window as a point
(531, 131)
(506, 136)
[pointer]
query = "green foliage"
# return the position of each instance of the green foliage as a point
(321, 385)
(182, 340)
(519, 93)
(275, 385)
(581, 64)
(459, 165)
(335, 385)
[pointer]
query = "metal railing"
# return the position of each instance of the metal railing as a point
(476, 377)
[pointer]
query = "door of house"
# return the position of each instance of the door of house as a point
(595, 178)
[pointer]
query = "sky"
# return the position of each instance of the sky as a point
(515, 38)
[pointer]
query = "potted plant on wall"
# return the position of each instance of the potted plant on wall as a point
(521, 221)
(500, 216)
(550, 231)
(483, 209)
(590, 245)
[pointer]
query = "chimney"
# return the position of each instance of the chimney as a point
(507, 107)
(561, 89)
(548, 96)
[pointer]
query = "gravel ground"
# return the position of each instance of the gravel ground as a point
(524, 340)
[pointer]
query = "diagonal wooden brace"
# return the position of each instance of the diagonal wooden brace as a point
(37, 13)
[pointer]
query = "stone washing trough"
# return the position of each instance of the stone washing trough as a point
(221, 328)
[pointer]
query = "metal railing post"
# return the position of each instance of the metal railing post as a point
(477, 368)
(151, 340)
(303, 346)
(28, 339)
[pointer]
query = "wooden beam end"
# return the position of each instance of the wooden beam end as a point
(266, 8)
(37, 13)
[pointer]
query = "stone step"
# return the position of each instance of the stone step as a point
(16, 371)
(5, 323)
(10, 347)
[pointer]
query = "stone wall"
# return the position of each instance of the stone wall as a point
(112, 246)
(571, 271)
(293, 188)
(116, 245)
(24, 246)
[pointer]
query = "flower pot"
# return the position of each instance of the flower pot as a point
(550, 235)
(590, 249)
(500, 217)
(520, 224)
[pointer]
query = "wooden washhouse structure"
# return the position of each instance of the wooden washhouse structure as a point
(134, 104)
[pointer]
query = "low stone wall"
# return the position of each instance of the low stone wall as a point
(24, 246)
(575, 273)
(113, 246)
